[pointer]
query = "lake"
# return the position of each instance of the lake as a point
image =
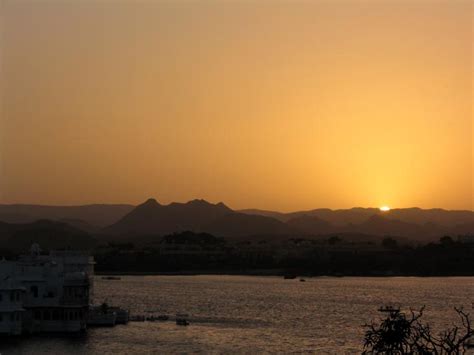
(246, 314)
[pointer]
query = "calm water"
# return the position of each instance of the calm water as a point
(237, 314)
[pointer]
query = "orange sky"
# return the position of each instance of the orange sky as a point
(273, 104)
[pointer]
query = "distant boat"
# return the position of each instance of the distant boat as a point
(389, 309)
(302, 280)
(122, 315)
(182, 322)
(182, 319)
(161, 318)
(106, 316)
(101, 316)
(111, 278)
(289, 277)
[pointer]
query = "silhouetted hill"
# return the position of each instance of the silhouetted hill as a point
(151, 219)
(197, 216)
(437, 216)
(81, 225)
(310, 225)
(464, 229)
(379, 225)
(48, 234)
(235, 225)
(154, 218)
(284, 217)
(355, 215)
(96, 215)
(375, 225)
(12, 217)
(342, 217)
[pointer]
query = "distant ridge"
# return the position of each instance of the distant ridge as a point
(197, 216)
(357, 215)
(48, 234)
(311, 224)
(99, 215)
(153, 218)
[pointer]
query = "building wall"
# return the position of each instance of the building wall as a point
(55, 292)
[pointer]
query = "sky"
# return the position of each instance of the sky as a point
(272, 104)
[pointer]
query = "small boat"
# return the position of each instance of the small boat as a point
(114, 278)
(182, 319)
(302, 280)
(289, 277)
(122, 315)
(161, 318)
(182, 322)
(101, 316)
(389, 309)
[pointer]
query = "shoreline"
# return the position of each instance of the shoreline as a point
(271, 272)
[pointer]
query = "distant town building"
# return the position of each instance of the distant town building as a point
(45, 293)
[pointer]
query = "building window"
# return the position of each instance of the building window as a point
(1, 317)
(37, 315)
(46, 315)
(1, 297)
(34, 291)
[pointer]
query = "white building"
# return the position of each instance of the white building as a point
(11, 307)
(45, 293)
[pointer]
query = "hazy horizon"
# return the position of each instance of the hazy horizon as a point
(276, 105)
(391, 208)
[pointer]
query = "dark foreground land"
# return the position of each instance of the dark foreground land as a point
(190, 253)
(203, 253)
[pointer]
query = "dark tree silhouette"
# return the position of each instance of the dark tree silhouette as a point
(389, 243)
(401, 333)
(446, 240)
(334, 240)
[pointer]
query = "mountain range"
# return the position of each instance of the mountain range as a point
(198, 216)
(51, 234)
(153, 218)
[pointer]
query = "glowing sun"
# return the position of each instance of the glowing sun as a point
(384, 208)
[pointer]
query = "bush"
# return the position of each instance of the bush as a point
(401, 333)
